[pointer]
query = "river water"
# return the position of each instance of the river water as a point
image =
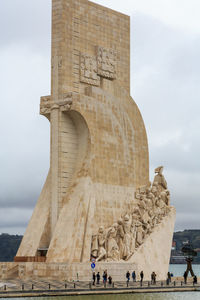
(178, 270)
(148, 296)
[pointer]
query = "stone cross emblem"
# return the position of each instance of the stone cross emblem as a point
(103, 65)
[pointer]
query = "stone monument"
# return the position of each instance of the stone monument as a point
(97, 202)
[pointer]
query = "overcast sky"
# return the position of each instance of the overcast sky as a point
(165, 83)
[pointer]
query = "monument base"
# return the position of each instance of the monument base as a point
(153, 255)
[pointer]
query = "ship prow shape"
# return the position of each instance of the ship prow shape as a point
(143, 234)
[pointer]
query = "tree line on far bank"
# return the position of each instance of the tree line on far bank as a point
(9, 245)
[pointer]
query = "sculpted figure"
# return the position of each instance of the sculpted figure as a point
(160, 179)
(139, 233)
(149, 202)
(164, 197)
(101, 244)
(161, 203)
(136, 214)
(143, 209)
(133, 233)
(120, 237)
(128, 239)
(154, 191)
(156, 208)
(112, 247)
(94, 246)
(159, 208)
(168, 197)
(149, 195)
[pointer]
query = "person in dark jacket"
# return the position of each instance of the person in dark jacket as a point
(133, 276)
(98, 278)
(169, 276)
(105, 276)
(93, 278)
(109, 279)
(128, 276)
(141, 276)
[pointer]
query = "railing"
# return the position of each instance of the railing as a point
(60, 286)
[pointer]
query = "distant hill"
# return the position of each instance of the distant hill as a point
(192, 235)
(180, 238)
(9, 245)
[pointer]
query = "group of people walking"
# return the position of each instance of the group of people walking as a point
(96, 278)
(133, 275)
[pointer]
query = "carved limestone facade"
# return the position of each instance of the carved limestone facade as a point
(64, 104)
(106, 62)
(123, 238)
(88, 70)
(101, 65)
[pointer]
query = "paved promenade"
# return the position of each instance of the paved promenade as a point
(40, 287)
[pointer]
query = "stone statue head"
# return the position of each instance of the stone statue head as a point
(136, 211)
(154, 190)
(126, 218)
(167, 192)
(159, 170)
(115, 225)
(148, 190)
(120, 221)
(163, 195)
(142, 197)
(101, 229)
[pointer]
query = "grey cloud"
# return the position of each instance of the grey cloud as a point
(190, 221)
(165, 85)
(14, 217)
(25, 22)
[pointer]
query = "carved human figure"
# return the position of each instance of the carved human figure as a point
(128, 239)
(101, 244)
(136, 214)
(164, 197)
(159, 208)
(149, 202)
(133, 233)
(156, 208)
(139, 233)
(112, 247)
(154, 191)
(168, 197)
(149, 195)
(143, 208)
(160, 179)
(162, 204)
(120, 237)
